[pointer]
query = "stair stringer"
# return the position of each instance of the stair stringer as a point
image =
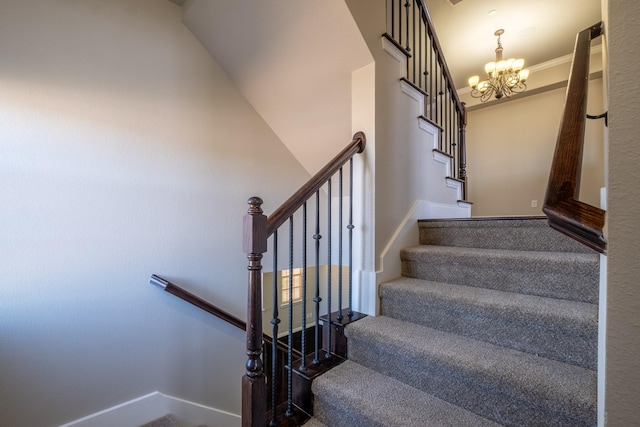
(436, 195)
(405, 235)
(439, 167)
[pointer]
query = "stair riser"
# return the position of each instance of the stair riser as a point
(570, 346)
(533, 278)
(476, 394)
(511, 234)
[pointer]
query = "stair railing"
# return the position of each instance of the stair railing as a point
(259, 409)
(410, 29)
(204, 305)
(579, 220)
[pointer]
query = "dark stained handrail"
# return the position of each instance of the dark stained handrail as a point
(579, 220)
(288, 208)
(187, 296)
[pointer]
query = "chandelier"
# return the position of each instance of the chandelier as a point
(504, 77)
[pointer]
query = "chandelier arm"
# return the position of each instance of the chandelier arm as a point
(504, 77)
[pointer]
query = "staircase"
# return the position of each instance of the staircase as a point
(493, 322)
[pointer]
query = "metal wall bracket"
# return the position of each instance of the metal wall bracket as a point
(604, 115)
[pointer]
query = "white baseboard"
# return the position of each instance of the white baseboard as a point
(156, 405)
(365, 293)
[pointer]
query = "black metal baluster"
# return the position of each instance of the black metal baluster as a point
(407, 6)
(328, 324)
(303, 347)
(414, 58)
(275, 321)
(447, 110)
(441, 104)
(350, 227)
(339, 317)
(451, 123)
(455, 141)
(290, 340)
(317, 299)
(420, 50)
(432, 91)
(400, 22)
(393, 19)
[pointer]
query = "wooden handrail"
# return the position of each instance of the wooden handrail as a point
(187, 296)
(280, 215)
(581, 221)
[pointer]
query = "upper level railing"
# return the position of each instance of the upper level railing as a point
(410, 28)
(566, 214)
(258, 230)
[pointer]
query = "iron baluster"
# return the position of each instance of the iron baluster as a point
(407, 6)
(350, 227)
(339, 317)
(290, 338)
(328, 324)
(275, 321)
(303, 348)
(317, 299)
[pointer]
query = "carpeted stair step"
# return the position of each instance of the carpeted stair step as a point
(314, 422)
(352, 395)
(519, 233)
(166, 421)
(504, 385)
(562, 330)
(572, 276)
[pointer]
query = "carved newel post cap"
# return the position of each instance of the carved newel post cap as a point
(255, 204)
(255, 228)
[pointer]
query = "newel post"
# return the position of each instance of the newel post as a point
(254, 389)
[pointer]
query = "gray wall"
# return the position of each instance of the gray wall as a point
(623, 295)
(510, 148)
(125, 151)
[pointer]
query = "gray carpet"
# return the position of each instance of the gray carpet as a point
(474, 334)
(166, 421)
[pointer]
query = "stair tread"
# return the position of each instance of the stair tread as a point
(522, 375)
(564, 275)
(523, 257)
(374, 399)
(543, 311)
(516, 233)
(554, 328)
(314, 422)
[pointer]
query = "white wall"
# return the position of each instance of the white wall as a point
(623, 292)
(125, 151)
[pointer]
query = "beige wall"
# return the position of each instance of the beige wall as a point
(510, 147)
(125, 150)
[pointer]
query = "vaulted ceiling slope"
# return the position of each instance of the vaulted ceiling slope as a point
(292, 60)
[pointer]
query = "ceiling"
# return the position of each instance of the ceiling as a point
(293, 60)
(536, 30)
